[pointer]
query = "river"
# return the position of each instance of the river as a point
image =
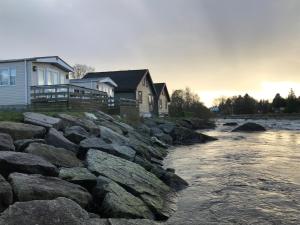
(243, 178)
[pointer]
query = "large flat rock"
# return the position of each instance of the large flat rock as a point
(135, 179)
(42, 120)
(57, 139)
(25, 163)
(6, 194)
(60, 211)
(6, 142)
(59, 157)
(21, 130)
(37, 187)
(115, 202)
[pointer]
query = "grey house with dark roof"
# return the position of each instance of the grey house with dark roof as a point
(162, 99)
(18, 75)
(132, 84)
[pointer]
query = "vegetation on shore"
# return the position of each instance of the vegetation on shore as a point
(185, 103)
(248, 105)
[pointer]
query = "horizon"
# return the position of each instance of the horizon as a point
(215, 48)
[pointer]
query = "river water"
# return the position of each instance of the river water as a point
(243, 178)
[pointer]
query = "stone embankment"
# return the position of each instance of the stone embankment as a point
(91, 170)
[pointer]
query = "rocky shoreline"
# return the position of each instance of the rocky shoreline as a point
(71, 170)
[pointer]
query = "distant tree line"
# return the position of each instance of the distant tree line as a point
(248, 105)
(185, 103)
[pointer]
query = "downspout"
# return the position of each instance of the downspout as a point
(26, 82)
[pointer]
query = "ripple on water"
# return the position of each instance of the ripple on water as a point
(249, 180)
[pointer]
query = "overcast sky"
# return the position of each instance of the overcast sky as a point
(216, 47)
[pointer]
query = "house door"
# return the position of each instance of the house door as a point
(151, 103)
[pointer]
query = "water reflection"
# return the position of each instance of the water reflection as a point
(241, 178)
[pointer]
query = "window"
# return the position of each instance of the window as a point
(150, 100)
(140, 97)
(7, 77)
(41, 77)
(160, 103)
(52, 77)
(62, 78)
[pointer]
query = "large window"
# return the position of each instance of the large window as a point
(7, 77)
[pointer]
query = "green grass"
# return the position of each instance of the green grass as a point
(16, 116)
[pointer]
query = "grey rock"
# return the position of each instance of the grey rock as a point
(166, 138)
(78, 175)
(144, 129)
(22, 131)
(24, 143)
(25, 163)
(6, 194)
(90, 116)
(156, 130)
(98, 221)
(88, 125)
(112, 126)
(6, 142)
(249, 127)
(76, 134)
(132, 222)
(229, 124)
(156, 141)
(115, 202)
(185, 136)
(104, 116)
(59, 157)
(60, 211)
(42, 120)
(37, 187)
(113, 137)
(134, 179)
(167, 127)
(56, 139)
(92, 142)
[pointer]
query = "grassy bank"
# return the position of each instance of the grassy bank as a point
(18, 116)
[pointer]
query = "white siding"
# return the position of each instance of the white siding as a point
(14, 95)
(146, 91)
(93, 85)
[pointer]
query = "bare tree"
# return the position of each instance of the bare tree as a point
(80, 70)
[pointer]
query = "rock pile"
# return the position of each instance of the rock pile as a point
(70, 170)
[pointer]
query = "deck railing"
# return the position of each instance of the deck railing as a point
(67, 93)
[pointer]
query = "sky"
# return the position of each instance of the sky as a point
(215, 47)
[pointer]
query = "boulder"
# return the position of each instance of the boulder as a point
(24, 143)
(37, 187)
(76, 134)
(132, 222)
(98, 221)
(90, 116)
(115, 202)
(57, 139)
(229, 124)
(150, 122)
(144, 129)
(104, 116)
(6, 194)
(112, 137)
(59, 157)
(185, 136)
(21, 130)
(135, 179)
(159, 143)
(249, 127)
(92, 142)
(6, 142)
(78, 175)
(167, 127)
(42, 120)
(156, 131)
(25, 163)
(166, 138)
(88, 125)
(60, 211)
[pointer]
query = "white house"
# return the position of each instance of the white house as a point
(104, 84)
(18, 75)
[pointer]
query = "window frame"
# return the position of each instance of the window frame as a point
(9, 73)
(140, 97)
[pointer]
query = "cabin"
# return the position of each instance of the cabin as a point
(162, 99)
(136, 85)
(104, 84)
(17, 76)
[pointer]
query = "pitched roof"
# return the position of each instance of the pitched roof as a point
(159, 87)
(127, 80)
(55, 60)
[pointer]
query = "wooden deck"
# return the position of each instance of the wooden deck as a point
(69, 96)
